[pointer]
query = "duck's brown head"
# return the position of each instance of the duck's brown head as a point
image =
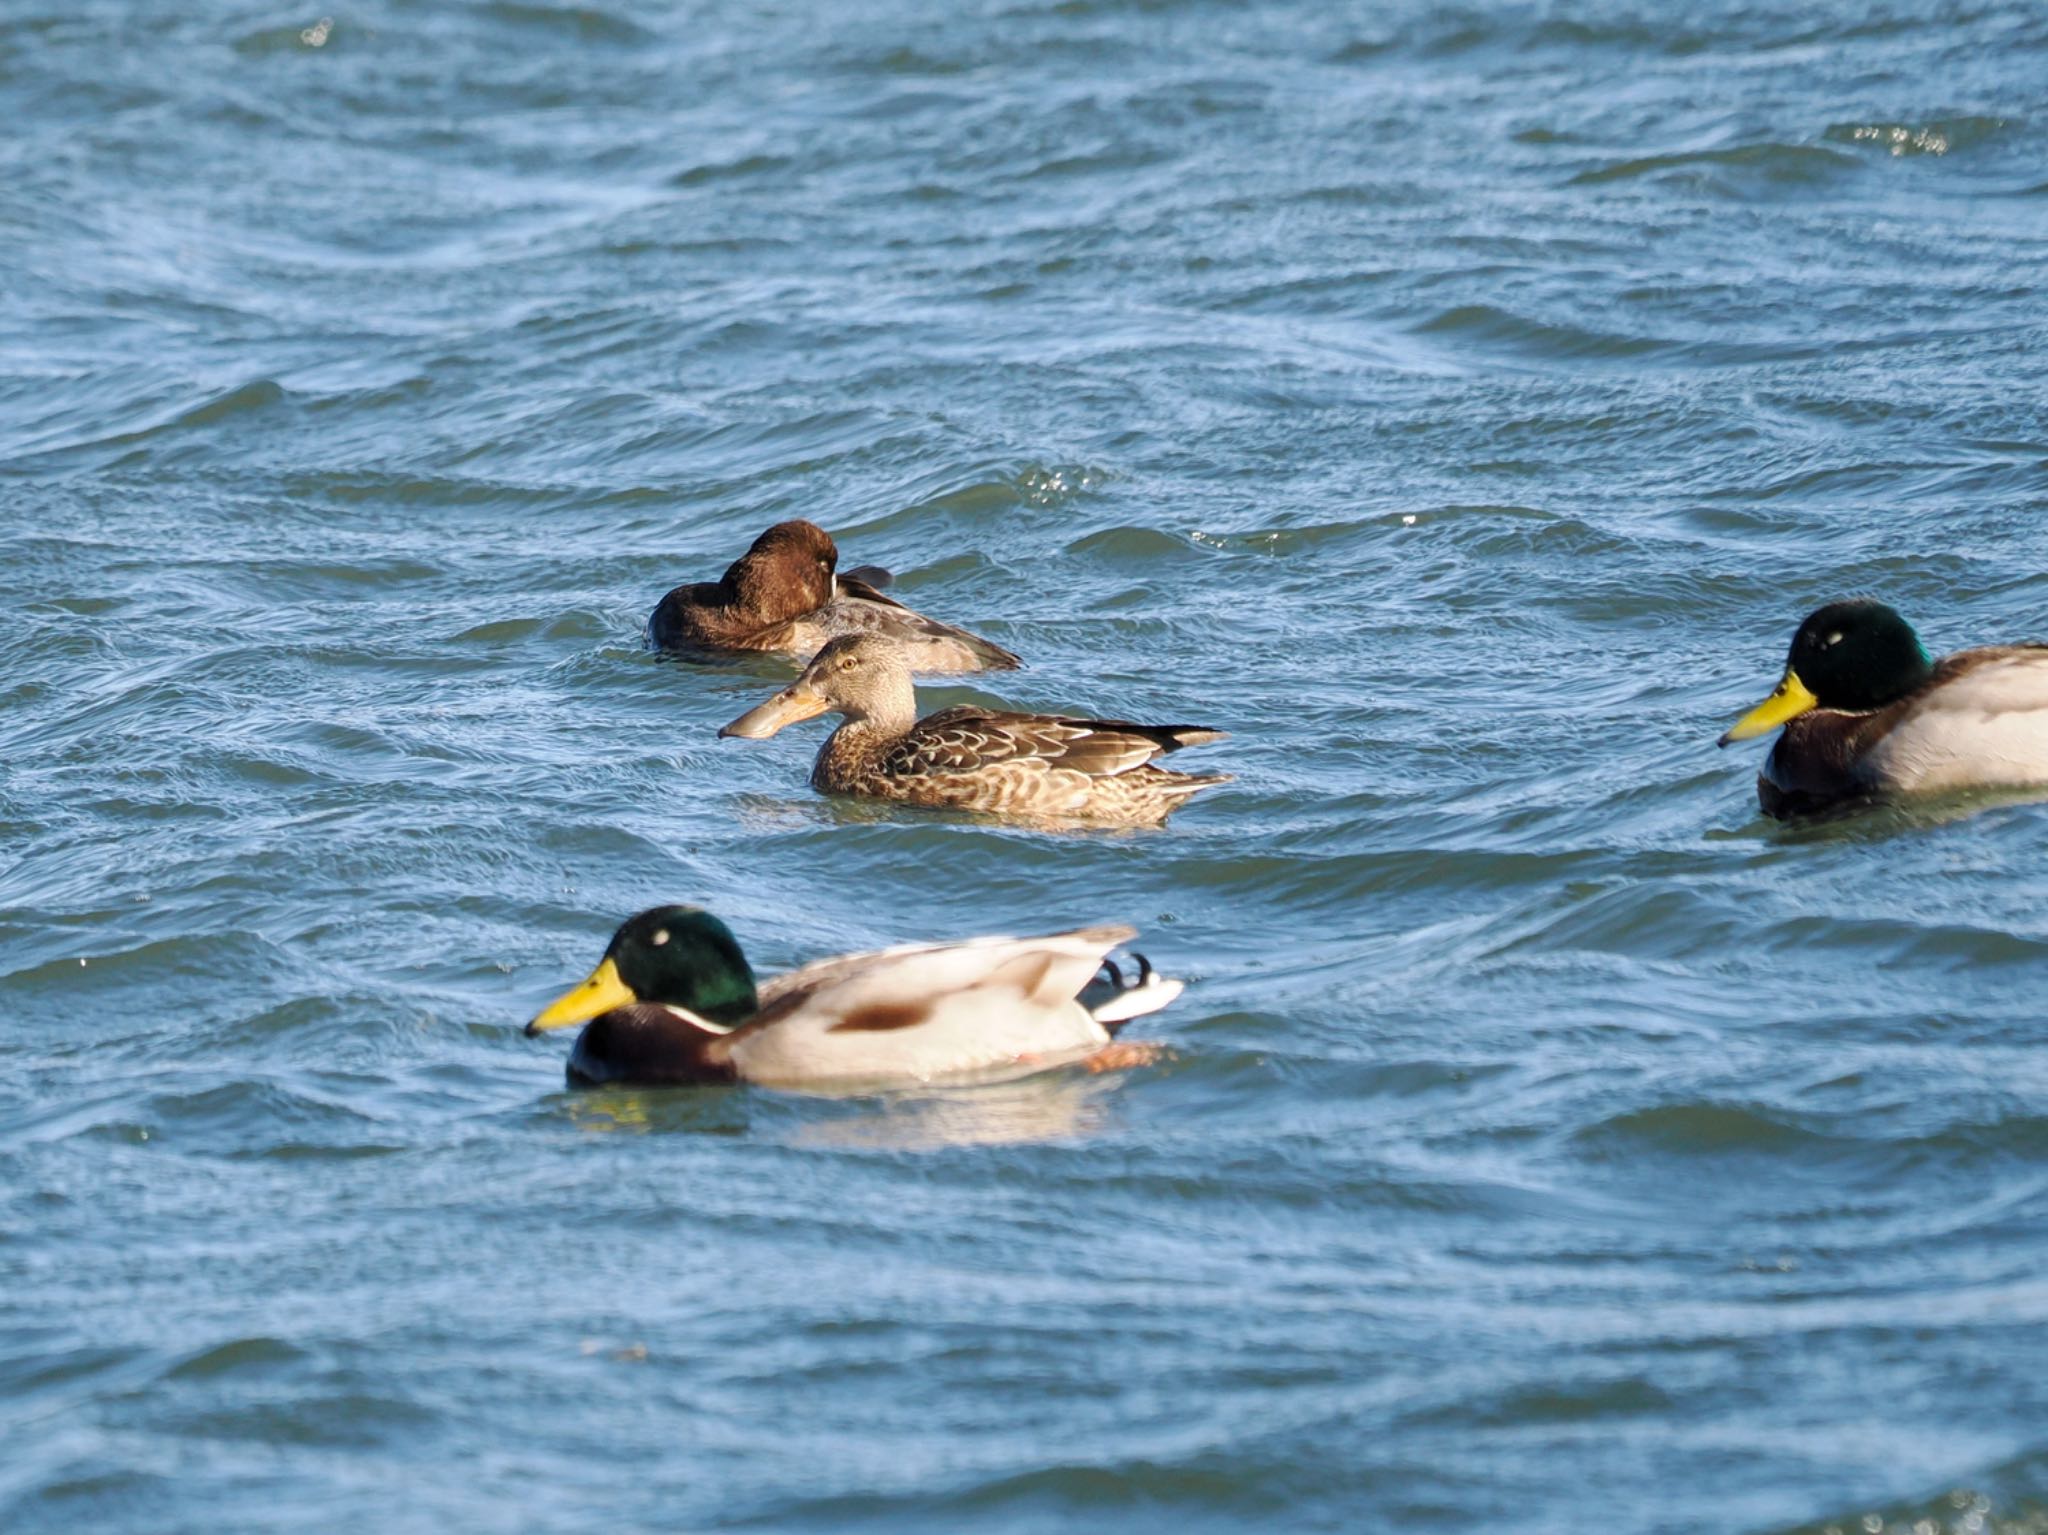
(862, 676)
(786, 573)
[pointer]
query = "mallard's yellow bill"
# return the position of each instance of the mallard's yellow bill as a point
(1791, 699)
(600, 994)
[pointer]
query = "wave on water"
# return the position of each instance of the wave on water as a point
(2010, 1498)
(1742, 171)
(1939, 136)
(1457, 405)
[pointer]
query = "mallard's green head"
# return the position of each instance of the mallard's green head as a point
(1853, 656)
(679, 955)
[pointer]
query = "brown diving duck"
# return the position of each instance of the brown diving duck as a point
(674, 1001)
(1036, 766)
(1868, 715)
(783, 595)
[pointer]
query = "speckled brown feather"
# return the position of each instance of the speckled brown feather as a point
(964, 739)
(1040, 766)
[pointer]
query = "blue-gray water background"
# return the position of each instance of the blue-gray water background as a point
(1461, 406)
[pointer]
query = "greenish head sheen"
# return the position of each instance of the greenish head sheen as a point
(1858, 655)
(685, 956)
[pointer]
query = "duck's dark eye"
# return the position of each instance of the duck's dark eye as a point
(1832, 639)
(660, 937)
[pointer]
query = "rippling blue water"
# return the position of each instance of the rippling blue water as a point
(1461, 406)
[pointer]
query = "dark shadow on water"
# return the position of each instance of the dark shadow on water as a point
(1057, 1105)
(654, 1110)
(1878, 820)
(766, 811)
(769, 667)
(1053, 1106)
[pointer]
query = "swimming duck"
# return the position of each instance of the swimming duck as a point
(1867, 714)
(674, 1001)
(970, 758)
(782, 595)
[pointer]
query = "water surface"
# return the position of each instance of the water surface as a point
(1460, 406)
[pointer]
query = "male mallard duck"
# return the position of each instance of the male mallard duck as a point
(782, 595)
(1868, 714)
(675, 1001)
(969, 758)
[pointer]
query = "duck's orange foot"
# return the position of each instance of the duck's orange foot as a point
(1125, 1056)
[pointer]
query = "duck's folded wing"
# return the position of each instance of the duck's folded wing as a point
(963, 739)
(1982, 723)
(927, 1011)
(861, 609)
(1994, 680)
(861, 586)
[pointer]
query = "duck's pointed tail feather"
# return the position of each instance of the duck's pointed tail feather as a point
(1114, 999)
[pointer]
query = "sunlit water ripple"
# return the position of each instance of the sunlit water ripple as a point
(1458, 406)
